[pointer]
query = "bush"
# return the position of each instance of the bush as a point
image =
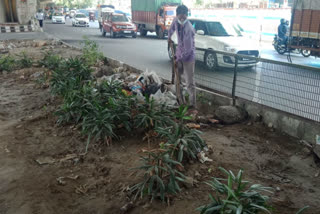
(235, 197)
(7, 63)
(91, 54)
(68, 76)
(182, 141)
(50, 60)
(151, 115)
(161, 177)
(24, 61)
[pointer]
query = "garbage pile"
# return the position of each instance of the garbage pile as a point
(141, 85)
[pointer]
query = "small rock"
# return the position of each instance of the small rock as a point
(278, 189)
(231, 114)
(197, 174)
(270, 125)
(45, 160)
(37, 74)
(146, 206)
(210, 149)
(317, 174)
(61, 181)
(249, 124)
(202, 119)
(188, 182)
(107, 70)
(257, 118)
(127, 207)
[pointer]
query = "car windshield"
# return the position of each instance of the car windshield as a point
(170, 13)
(58, 14)
(119, 18)
(219, 29)
(81, 16)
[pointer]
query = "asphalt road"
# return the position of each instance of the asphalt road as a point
(286, 88)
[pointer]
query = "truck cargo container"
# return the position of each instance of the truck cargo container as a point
(154, 15)
(305, 26)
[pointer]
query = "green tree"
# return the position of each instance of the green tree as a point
(199, 2)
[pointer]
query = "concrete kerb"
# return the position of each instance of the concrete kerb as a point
(289, 124)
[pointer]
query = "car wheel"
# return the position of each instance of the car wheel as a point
(210, 60)
(143, 32)
(160, 33)
(103, 33)
(134, 35)
(112, 34)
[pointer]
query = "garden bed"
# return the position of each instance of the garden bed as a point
(44, 168)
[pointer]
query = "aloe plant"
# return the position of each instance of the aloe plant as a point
(234, 196)
(161, 176)
(7, 63)
(152, 115)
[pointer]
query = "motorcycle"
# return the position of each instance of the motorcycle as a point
(281, 47)
(92, 16)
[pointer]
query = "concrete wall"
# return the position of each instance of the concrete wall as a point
(26, 11)
(2, 12)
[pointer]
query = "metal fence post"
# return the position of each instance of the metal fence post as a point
(234, 81)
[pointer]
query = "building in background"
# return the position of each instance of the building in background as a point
(19, 15)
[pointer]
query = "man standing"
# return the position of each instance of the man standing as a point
(40, 17)
(185, 53)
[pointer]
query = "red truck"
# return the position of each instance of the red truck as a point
(305, 26)
(154, 15)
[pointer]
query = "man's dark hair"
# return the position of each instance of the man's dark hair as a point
(182, 9)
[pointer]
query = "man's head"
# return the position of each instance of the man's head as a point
(182, 14)
(282, 21)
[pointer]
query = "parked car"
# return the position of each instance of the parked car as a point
(221, 36)
(118, 24)
(58, 18)
(80, 19)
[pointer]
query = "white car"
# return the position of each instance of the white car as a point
(80, 19)
(223, 36)
(58, 18)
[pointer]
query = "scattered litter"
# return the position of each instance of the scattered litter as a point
(278, 189)
(193, 126)
(127, 207)
(75, 177)
(68, 157)
(37, 74)
(167, 97)
(6, 149)
(45, 160)
(317, 174)
(61, 181)
(202, 157)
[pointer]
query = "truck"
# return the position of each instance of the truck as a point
(154, 15)
(305, 26)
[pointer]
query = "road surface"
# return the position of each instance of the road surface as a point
(286, 88)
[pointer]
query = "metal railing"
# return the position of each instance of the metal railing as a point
(288, 87)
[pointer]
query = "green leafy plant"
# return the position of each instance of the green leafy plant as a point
(182, 141)
(161, 176)
(70, 75)
(302, 210)
(152, 115)
(235, 197)
(25, 61)
(50, 60)
(7, 63)
(90, 50)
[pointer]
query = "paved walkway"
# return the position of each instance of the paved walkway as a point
(23, 36)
